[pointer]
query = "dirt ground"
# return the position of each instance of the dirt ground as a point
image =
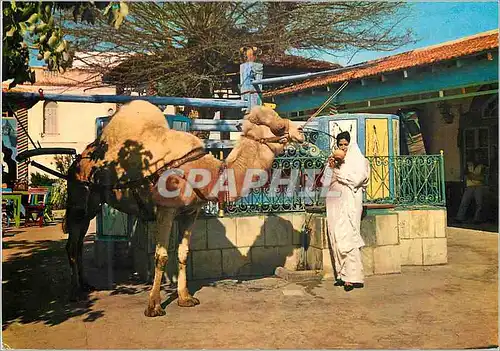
(450, 306)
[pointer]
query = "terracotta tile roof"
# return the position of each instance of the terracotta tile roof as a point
(292, 61)
(71, 78)
(419, 57)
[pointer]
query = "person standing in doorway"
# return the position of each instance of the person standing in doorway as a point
(475, 188)
(349, 172)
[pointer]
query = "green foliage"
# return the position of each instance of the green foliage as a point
(63, 162)
(58, 195)
(59, 192)
(41, 180)
(35, 24)
(15, 52)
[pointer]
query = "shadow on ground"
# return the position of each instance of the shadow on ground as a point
(263, 263)
(35, 282)
(263, 256)
(36, 277)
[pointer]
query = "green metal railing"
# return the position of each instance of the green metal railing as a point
(402, 181)
(300, 163)
(407, 180)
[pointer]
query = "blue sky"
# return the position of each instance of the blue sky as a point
(436, 22)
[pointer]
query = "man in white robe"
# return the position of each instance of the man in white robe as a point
(344, 207)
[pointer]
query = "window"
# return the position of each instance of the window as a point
(50, 118)
(476, 139)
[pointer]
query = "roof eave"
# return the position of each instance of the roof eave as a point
(277, 92)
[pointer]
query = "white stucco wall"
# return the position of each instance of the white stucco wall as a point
(76, 122)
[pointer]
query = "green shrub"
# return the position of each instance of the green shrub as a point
(58, 187)
(40, 180)
(58, 195)
(59, 192)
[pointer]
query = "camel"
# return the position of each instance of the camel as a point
(123, 168)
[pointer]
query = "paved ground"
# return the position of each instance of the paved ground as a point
(450, 306)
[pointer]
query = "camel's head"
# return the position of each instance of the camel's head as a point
(265, 125)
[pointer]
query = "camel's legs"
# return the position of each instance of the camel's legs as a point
(92, 212)
(77, 225)
(163, 227)
(77, 222)
(186, 222)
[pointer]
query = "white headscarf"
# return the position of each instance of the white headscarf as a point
(355, 171)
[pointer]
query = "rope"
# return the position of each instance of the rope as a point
(320, 109)
(327, 102)
(324, 105)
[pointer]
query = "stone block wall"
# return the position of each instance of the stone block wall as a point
(422, 236)
(257, 245)
(232, 246)
(394, 239)
(381, 255)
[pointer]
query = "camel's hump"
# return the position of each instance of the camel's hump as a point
(130, 121)
(137, 140)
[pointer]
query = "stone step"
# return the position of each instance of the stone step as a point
(298, 276)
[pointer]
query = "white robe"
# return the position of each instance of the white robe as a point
(344, 208)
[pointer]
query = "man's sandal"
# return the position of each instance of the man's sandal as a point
(352, 286)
